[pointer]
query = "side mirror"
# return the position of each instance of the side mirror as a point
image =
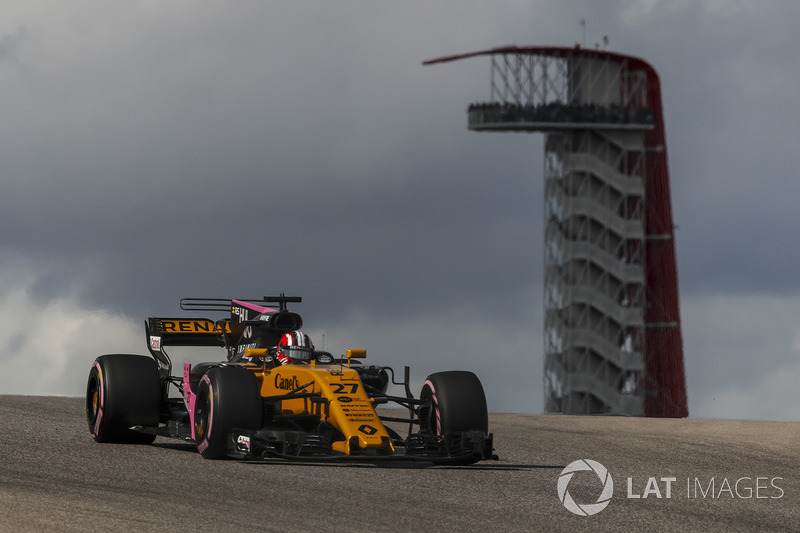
(355, 354)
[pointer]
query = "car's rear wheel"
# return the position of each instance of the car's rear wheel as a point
(453, 402)
(122, 391)
(228, 397)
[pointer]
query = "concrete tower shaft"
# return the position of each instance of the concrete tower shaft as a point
(612, 337)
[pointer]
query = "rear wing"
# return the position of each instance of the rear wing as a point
(243, 315)
(163, 332)
(186, 332)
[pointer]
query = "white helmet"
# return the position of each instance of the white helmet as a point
(295, 346)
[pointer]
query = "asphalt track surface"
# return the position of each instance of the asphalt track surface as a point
(54, 477)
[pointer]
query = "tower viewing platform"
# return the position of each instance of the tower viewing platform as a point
(556, 116)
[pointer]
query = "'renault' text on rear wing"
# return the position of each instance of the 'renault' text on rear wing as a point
(163, 332)
(186, 332)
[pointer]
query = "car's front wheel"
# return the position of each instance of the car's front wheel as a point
(453, 402)
(228, 397)
(454, 411)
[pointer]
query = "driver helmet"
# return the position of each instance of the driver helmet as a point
(294, 346)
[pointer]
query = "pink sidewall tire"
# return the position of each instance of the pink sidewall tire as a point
(454, 402)
(228, 397)
(122, 391)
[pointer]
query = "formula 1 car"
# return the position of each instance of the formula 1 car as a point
(251, 407)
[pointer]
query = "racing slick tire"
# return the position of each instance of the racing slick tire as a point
(454, 401)
(228, 397)
(454, 404)
(122, 391)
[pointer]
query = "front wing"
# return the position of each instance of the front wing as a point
(458, 448)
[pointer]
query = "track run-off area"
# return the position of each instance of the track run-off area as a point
(665, 475)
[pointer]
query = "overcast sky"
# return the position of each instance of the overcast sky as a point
(156, 150)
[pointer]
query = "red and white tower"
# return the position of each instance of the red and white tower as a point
(612, 334)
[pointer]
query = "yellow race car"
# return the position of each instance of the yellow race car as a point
(276, 396)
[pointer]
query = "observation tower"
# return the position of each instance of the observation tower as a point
(612, 333)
